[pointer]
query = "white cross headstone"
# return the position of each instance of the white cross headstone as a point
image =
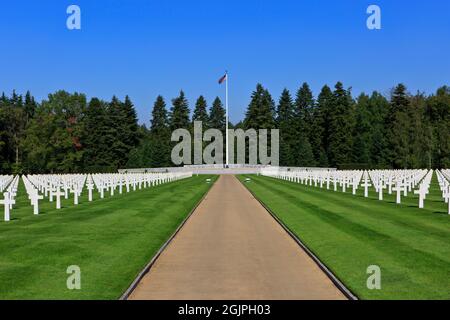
(366, 186)
(7, 202)
(398, 188)
(380, 189)
(422, 193)
(35, 197)
(75, 195)
(90, 187)
(58, 195)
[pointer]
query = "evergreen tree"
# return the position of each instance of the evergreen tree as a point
(159, 143)
(160, 120)
(304, 105)
(154, 149)
(397, 124)
(363, 132)
(130, 134)
(118, 147)
(260, 113)
(200, 111)
(29, 107)
(100, 137)
(179, 115)
(302, 149)
(438, 126)
(320, 128)
(261, 110)
(217, 119)
(285, 123)
(341, 127)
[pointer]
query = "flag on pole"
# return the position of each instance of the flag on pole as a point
(221, 80)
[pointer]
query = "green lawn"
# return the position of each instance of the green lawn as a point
(110, 239)
(349, 233)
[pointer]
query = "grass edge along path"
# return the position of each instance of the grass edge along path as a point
(110, 239)
(349, 233)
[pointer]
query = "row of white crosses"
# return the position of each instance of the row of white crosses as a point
(401, 182)
(9, 197)
(57, 186)
(5, 181)
(128, 181)
(54, 187)
(444, 184)
(335, 179)
(33, 194)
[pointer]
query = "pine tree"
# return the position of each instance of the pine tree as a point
(363, 132)
(160, 120)
(285, 121)
(438, 118)
(397, 124)
(321, 127)
(154, 148)
(158, 147)
(420, 140)
(179, 115)
(379, 108)
(304, 105)
(341, 127)
(30, 106)
(302, 149)
(200, 111)
(98, 137)
(217, 118)
(130, 129)
(261, 110)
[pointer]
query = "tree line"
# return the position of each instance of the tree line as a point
(66, 133)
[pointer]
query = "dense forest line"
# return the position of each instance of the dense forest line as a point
(66, 133)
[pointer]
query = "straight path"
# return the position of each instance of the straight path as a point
(231, 248)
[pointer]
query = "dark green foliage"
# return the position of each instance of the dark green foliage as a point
(320, 132)
(303, 119)
(217, 117)
(179, 115)
(438, 126)
(260, 113)
(200, 111)
(98, 137)
(341, 118)
(304, 105)
(261, 110)
(285, 123)
(154, 150)
(397, 128)
(64, 134)
(52, 141)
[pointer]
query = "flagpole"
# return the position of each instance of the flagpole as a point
(226, 125)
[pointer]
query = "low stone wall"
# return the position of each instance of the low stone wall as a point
(219, 169)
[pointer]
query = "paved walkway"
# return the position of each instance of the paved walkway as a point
(231, 248)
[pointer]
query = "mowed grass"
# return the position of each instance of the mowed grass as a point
(350, 233)
(110, 239)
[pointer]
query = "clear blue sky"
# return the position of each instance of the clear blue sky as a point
(146, 48)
